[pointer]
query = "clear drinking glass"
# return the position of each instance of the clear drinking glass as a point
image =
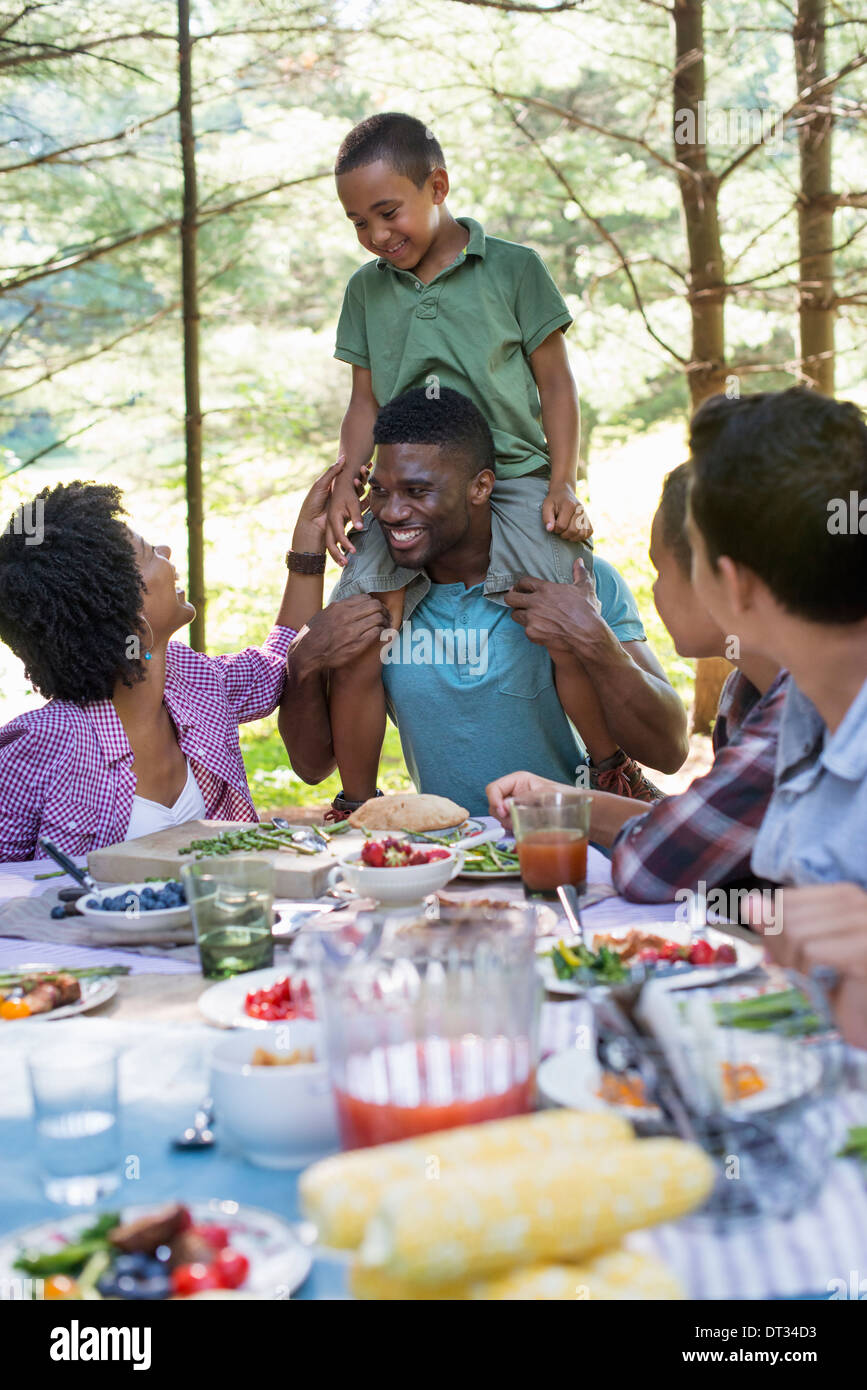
(551, 833)
(438, 1028)
(75, 1112)
(231, 901)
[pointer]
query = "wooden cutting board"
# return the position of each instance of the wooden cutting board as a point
(132, 861)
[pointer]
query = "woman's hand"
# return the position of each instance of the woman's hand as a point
(516, 785)
(309, 534)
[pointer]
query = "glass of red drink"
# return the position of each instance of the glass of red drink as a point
(437, 1028)
(551, 834)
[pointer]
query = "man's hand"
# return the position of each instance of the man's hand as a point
(826, 924)
(561, 617)
(563, 514)
(337, 636)
(344, 509)
(517, 785)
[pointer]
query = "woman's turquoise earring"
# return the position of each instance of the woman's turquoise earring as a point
(148, 656)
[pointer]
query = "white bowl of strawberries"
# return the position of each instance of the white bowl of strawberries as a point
(398, 872)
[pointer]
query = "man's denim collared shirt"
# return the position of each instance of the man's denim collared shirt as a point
(815, 828)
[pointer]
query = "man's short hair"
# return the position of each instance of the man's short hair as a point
(401, 141)
(766, 472)
(672, 510)
(449, 419)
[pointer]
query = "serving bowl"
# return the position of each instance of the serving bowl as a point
(401, 885)
(278, 1116)
(88, 906)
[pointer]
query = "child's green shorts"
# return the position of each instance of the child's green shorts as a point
(520, 545)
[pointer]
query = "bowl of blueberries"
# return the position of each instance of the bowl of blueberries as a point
(163, 902)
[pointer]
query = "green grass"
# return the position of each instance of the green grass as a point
(273, 784)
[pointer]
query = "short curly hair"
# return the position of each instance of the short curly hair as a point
(71, 592)
(448, 419)
(403, 142)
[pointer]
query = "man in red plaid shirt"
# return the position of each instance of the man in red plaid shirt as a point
(706, 833)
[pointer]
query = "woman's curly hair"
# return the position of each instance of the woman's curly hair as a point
(71, 592)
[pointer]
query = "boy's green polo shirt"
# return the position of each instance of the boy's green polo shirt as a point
(473, 327)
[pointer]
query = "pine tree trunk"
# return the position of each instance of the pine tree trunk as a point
(190, 299)
(816, 202)
(698, 191)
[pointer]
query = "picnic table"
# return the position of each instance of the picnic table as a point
(154, 1022)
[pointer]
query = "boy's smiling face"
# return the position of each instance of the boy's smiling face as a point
(393, 218)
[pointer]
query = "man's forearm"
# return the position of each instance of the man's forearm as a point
(609, 813)
(304, 724)
(644, 714)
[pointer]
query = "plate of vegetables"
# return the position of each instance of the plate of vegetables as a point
(46, 992)
(258, 998)
(629, 953)
(756, 1075)
(213, 1248)
(493, 859)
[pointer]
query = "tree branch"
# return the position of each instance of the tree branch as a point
(604, 233)
(62, 262)
(86, 145)
(826, 84)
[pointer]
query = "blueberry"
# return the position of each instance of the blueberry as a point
(58, 911)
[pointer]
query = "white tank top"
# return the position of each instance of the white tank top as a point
(148, 816)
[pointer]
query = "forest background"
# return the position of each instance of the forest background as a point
(174, 254)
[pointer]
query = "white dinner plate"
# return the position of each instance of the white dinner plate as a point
(748, 956)
(482, 877)
(279, 1263)
(93, 993)
(156, 918)
(223, 1003)
(789, 1070)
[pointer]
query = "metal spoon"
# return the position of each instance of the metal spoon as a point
(199, 1134)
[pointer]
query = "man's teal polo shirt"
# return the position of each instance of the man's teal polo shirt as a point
(474, 698)
(473, 328)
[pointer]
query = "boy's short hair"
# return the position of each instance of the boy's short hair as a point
(403, 142)
(672, 510)
(450, 420)
(767, 470)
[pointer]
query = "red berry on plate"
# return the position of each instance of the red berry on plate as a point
(701, 953)
(231, 1268)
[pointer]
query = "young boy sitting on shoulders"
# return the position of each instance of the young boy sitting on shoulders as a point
(445, 305)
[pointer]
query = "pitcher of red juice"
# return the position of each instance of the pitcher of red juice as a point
(436, 1028)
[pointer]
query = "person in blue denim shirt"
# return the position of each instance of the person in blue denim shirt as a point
(778, 527)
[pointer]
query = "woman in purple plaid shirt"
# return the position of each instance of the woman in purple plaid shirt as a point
(139, 732)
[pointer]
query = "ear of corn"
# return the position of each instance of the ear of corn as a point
(544, 1208)
(610, 1275)
(340, 1194)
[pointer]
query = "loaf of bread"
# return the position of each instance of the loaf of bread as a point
(408, 811)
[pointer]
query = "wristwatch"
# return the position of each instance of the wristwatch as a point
(305, 561)
(345, 807)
